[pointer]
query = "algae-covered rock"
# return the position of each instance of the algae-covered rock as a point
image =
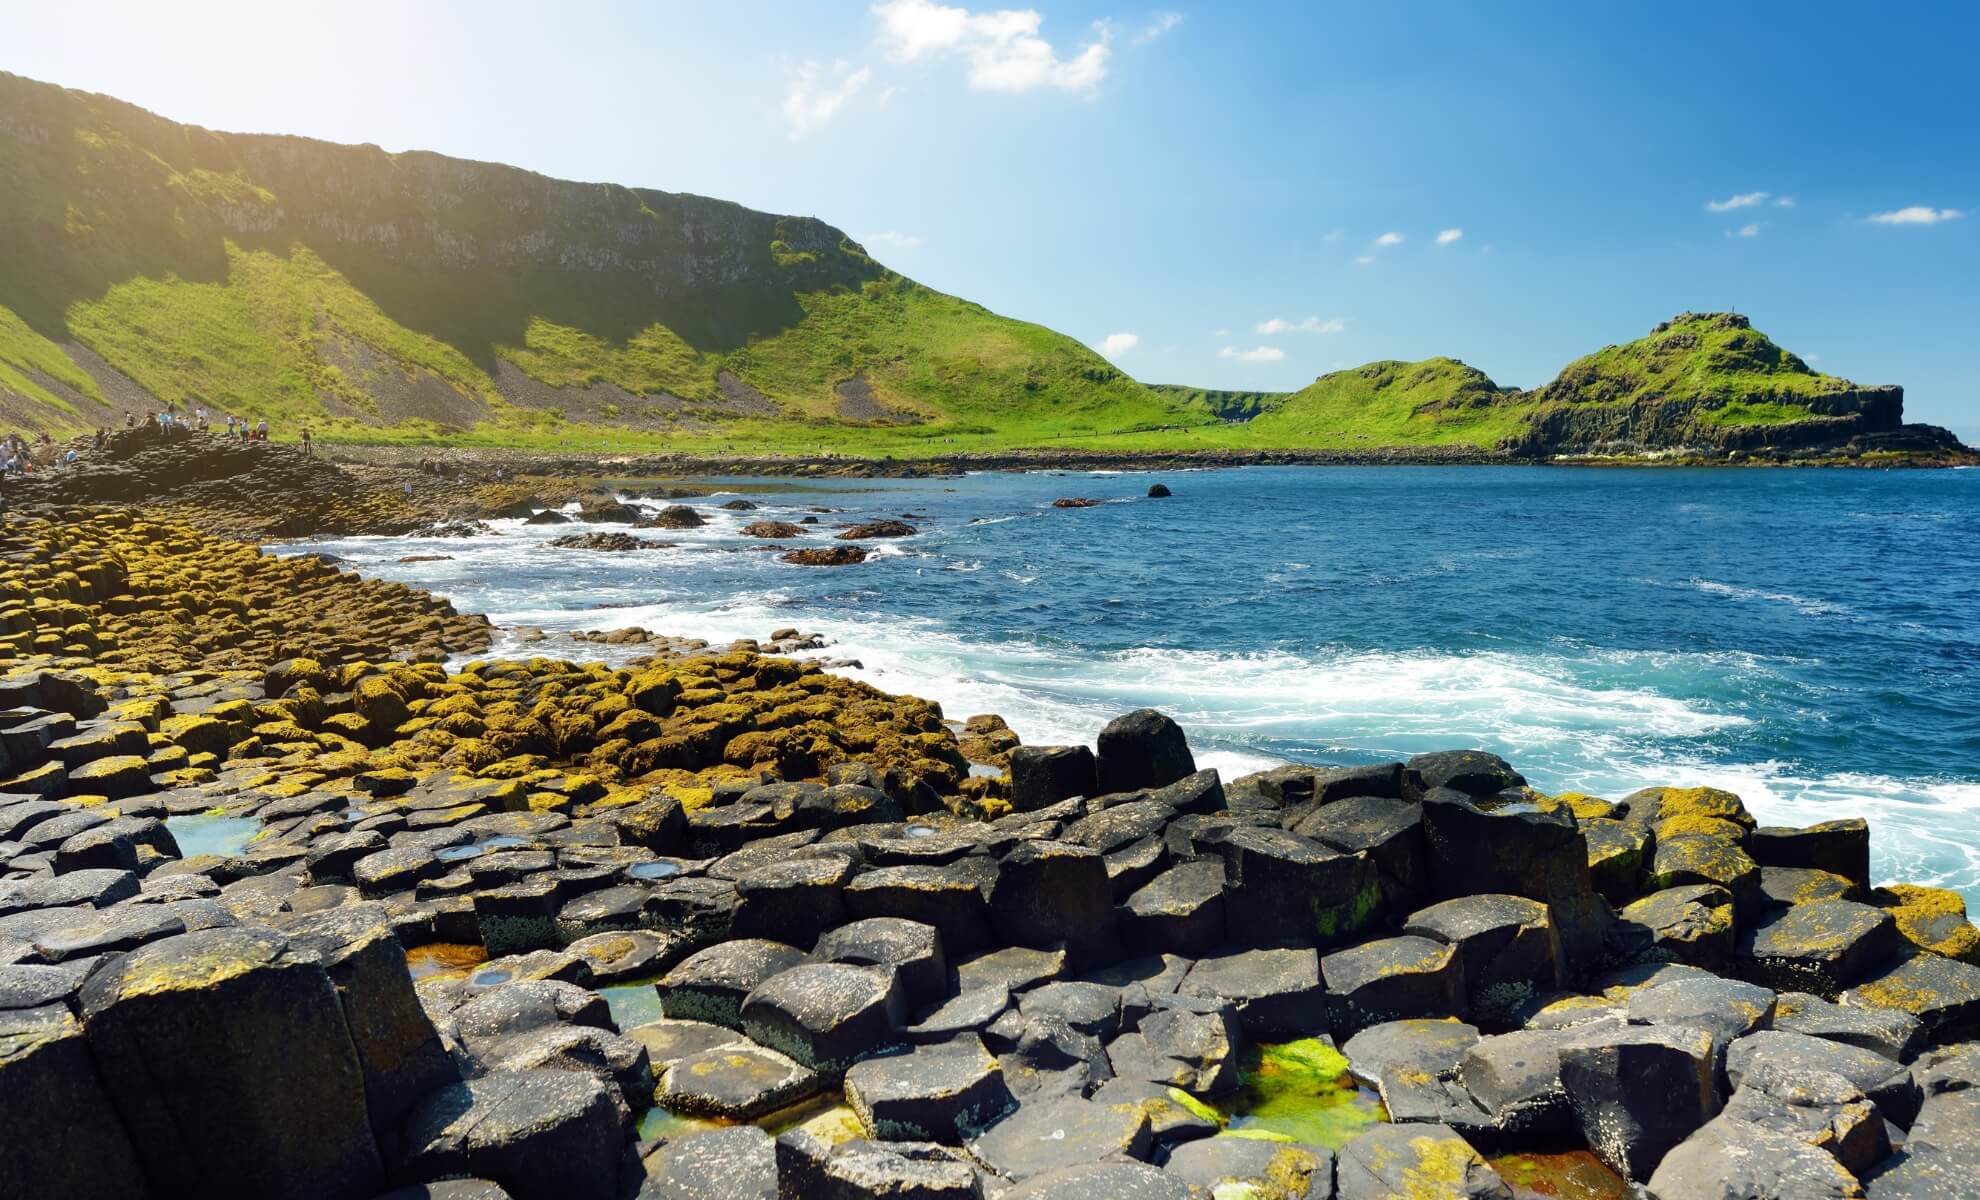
(1415, 1160)
(201, 1036)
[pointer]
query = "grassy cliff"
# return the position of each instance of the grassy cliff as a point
(391, 297)
(397, 298)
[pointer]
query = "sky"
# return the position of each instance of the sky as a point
(1242, 196)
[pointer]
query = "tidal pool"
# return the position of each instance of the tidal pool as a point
(211, 833)
(443, 960)
(632, 1004)
(1572, 1175)
(1300, 1091)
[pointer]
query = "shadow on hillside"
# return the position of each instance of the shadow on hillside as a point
(468, 253)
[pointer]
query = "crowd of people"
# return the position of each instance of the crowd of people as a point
(21, 456)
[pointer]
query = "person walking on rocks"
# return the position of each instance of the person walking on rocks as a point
(308, 450)
(130, 420)
(261, 430)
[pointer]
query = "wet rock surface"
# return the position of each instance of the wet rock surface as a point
(285, 901)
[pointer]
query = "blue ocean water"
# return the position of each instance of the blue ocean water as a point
(1807, 639)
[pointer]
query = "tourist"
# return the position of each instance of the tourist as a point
(307, 449)
(102, 435)
(130, 420)
(261, 430)
(230, 426)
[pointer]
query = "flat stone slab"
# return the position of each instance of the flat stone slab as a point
(537, 1133)
(1115, 1181)
(912, 949)
(1065, 1132)
(737, 1081)
(826, 1015)
(1943, 993)
(735, 1164)
(1391, 978)
(1415, 1160)
(1276, 992)
(942, 1093)
(1820, 947)
(710, 985)
(1293, 1170)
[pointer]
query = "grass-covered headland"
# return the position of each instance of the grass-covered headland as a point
(413, 299)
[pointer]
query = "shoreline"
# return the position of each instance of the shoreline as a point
(588, 912)
(684, 465)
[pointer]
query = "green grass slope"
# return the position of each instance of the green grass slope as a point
(1714, 357)
(395, 298)
(392, 297)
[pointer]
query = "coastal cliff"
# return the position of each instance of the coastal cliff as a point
(412, 298)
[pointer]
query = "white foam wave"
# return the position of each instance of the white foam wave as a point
(1802, 604)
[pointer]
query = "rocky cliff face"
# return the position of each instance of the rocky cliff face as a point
(1709, 384)
(1641, 426)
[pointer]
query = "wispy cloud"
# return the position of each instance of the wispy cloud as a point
(1446, 236)
(1918, 214)
(811, 101)
(1743, 200)
(1391, 238)
(1364, 259)
(893, 240)
(1116, 344)
(1162, 24)
(1220, 333)
(1002, 48)
(1273, 325)
(1784, 202)
(1254, 355)
(1750, 230)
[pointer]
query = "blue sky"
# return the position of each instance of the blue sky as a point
(1248, 195)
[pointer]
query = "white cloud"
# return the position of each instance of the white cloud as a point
(1273, 325)
(1162, 24)
(1220, 333)
(1446, 236)
(893, 240)
(1364, 259)
(1334, 236)
(810, 102)
(1784, 202)
(1918, 214)
(1390, 239)
(1116, 344)
(1002, 47)
(1255, 354)
(1749, 231)
(1743, 200)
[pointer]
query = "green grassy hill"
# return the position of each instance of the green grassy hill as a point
(412, 297)
(391, 297)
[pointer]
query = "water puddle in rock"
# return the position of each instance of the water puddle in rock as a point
(492, 977)
(502, 841)
(443, 960)
(1300, 1091)
(919, 831)
(658, 1122)
(210, 833)
(458, 853)
(1572, 1175)
(826, 1117)
(653, 870)
(632, 1004)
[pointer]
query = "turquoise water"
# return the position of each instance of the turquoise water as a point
(206, 833)
(1805, 638)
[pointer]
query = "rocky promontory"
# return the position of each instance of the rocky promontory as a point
(291, 908)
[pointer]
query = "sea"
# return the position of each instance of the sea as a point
(1808, 639)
